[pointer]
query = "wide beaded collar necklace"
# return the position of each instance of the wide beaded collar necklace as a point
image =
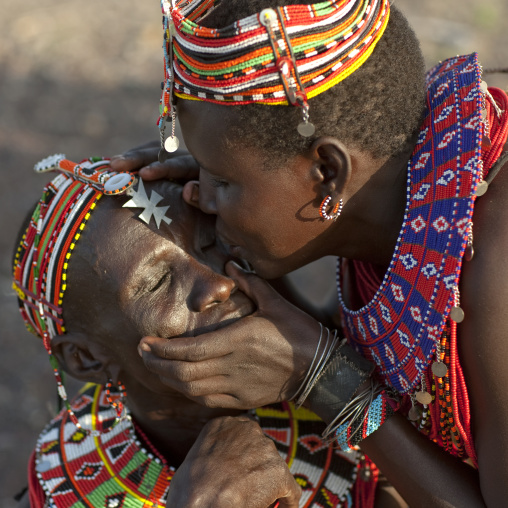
(399, 329)
(121, 469)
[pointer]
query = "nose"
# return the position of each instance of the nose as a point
(207, 192)
(210, 288)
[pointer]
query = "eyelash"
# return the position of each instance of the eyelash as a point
(160, 283)
(216, 182)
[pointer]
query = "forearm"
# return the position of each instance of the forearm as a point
(286, 287)
(424, 474)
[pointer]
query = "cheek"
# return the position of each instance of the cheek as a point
(165, 313)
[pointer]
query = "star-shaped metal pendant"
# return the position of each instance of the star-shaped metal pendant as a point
(140, 200)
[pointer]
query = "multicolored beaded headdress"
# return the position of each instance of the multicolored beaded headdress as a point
(280, 56)
(42, 259)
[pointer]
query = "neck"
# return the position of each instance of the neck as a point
(171, 422)
(374, 209)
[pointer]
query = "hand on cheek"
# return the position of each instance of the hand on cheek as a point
(258, 360)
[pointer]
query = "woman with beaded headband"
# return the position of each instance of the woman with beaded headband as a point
(316, 133)
(93, 276)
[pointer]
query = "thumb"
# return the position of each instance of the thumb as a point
(183, 167)
(292, 497)
(257, 289)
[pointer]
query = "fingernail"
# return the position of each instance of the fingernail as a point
(235, 265)
(143, 347)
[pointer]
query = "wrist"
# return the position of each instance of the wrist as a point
(341, 378)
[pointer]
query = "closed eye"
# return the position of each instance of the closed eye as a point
(160, 282)
(218, 182)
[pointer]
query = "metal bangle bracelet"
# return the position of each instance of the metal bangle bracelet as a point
(337, 382)
(325, 356)
(302, 385)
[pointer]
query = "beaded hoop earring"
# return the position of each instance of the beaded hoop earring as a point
(337, 209)
(116, 401)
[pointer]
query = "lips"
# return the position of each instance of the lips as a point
(239, 305)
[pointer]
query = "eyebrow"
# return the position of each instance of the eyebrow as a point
(134, 279)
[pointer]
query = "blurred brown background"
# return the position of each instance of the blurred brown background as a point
(82, 78)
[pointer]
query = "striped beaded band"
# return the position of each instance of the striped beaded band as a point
(278, 57)
(350, 434)
(42, 259)
(41, 263)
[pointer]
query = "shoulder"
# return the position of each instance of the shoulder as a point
(483, 335)
(484, 281)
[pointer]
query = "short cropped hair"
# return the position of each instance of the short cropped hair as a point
(377, 109)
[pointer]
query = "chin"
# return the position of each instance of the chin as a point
(270, 270)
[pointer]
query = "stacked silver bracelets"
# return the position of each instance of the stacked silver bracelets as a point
(330, 389)
(316, 368)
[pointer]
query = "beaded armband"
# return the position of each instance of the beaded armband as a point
(366, 421)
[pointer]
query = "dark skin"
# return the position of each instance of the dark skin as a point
(128, 279)
(374, 195)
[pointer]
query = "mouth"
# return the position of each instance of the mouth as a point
(233, 253)
(215, 323)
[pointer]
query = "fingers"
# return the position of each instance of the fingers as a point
(253, 286)
(188, 349)
(144, 159)
(183, 167)
(134, 159)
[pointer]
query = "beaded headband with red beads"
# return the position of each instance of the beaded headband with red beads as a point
(280, 56)
(42, 259)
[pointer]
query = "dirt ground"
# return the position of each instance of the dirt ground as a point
(83, 79)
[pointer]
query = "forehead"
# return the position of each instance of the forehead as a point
(208, 130)
(116, 237)
(112, 214)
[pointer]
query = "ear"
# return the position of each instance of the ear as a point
(190, 193)
(333, 166)
(84, 359)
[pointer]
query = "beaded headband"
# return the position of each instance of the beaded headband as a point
(42, 258)
(280, 56)
(41, 262)
(40, 267)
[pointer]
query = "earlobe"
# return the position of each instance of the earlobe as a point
(190, 193)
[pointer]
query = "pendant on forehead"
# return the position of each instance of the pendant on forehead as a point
(140, 199)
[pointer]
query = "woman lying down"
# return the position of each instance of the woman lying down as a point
(103, 262)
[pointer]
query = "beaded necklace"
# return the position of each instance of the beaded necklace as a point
(408, 328)
(121, 468)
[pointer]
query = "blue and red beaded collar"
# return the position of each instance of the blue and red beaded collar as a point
(400, 327)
